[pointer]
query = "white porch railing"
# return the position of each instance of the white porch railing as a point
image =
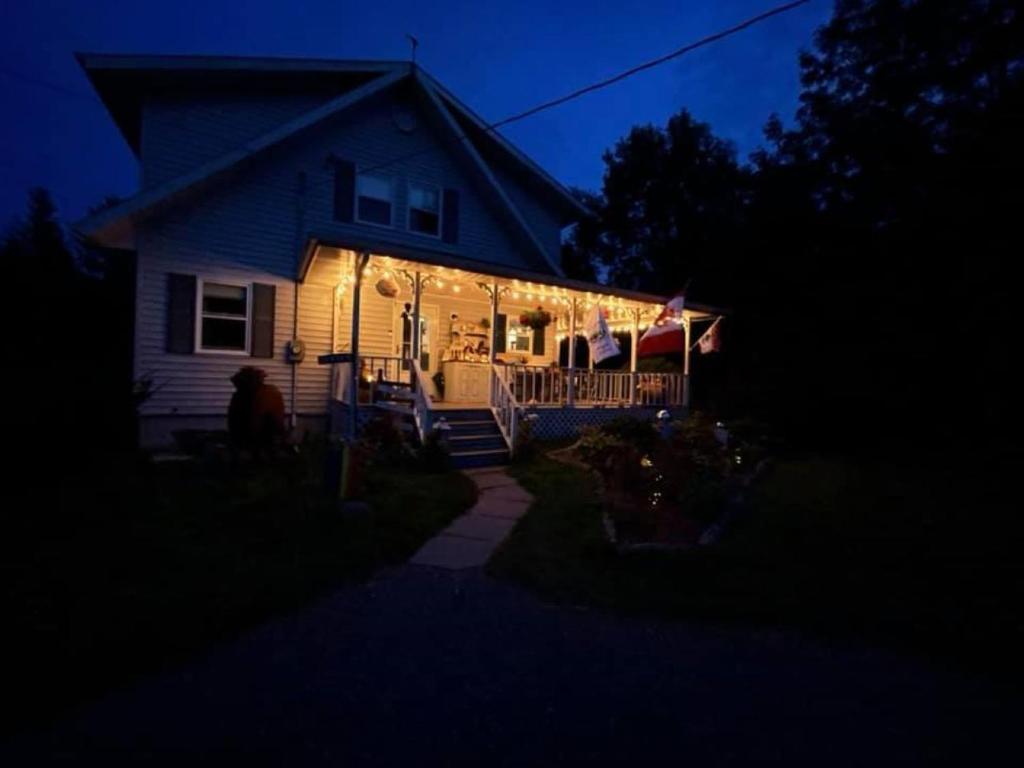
(504, 406)
(548, 385)
(421, 403)
(663, 389)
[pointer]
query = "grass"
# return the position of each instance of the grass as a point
(125, 566)
(921, 560)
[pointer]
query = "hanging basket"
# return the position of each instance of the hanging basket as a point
(537, 319)
(387, 287)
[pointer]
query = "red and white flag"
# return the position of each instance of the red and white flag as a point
(711, 341)
(666, 333)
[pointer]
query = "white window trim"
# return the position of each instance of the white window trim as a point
(392, 201)
(408, 209)
(200, 349)
(508, 339)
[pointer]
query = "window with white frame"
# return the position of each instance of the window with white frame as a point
(374, 199)
(223, 317)
(425, 209)
(518, 338)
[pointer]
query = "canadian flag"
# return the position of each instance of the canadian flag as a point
(666, 334)
(711, 341)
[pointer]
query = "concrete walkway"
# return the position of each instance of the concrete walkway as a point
(471, 539)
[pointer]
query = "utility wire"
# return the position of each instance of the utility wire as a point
(689, 47)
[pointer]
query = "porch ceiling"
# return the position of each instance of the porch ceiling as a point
(461, 278)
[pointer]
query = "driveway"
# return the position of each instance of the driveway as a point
(428, 667)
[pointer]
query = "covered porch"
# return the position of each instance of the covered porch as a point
(431, 335)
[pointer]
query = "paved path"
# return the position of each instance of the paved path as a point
(471, 540)
(432, 667)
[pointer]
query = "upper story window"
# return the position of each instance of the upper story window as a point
(374, 199)
(223, 322)
(425, 209)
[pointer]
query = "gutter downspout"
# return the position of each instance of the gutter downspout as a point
(300, 227)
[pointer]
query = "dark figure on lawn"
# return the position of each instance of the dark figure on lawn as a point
(256, 413)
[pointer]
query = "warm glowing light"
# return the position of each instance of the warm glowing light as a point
(456, 288)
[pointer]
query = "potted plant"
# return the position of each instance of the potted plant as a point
(537, 319)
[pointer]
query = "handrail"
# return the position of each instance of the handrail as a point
(421, 403)
(504, 406)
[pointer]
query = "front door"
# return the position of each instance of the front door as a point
(429, 353)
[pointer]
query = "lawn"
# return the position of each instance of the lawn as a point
(916, 559)
(124, 565)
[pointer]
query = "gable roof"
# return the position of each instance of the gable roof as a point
(123, 82)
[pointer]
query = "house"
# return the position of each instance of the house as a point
(356, 231)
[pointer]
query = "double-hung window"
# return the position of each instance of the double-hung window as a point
(223, 322)
(518, 338)
(374, 199)
(425, 209)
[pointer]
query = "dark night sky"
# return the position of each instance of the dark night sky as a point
(498, 58)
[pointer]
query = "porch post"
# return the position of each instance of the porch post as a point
(359, 264)
(494, 324)
(634, 341)
(570, 395)
(686, 363)
(417, 289)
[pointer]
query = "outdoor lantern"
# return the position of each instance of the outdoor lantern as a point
(664, 423)
(443, 429)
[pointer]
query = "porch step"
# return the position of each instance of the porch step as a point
(455, 415)
(477, 442)
(458, 428)
(475, 439)
(482, 458)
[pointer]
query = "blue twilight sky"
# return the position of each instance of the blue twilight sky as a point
(499, 58)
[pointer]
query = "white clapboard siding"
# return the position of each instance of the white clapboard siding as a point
(252, 225)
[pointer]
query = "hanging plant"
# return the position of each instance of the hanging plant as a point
(536, 319)
(387, 287)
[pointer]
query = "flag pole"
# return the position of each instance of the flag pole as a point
(686, 348)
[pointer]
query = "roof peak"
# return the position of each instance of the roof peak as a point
(194, 61)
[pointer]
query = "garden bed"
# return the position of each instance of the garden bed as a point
(670, 488)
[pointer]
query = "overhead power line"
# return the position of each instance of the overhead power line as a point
(650, 64)
(688, 48)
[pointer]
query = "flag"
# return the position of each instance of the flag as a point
(711, 341)
(666, 334)
(602, 344)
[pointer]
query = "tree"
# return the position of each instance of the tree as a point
(73, 312)
(670, 208)
(856, 241)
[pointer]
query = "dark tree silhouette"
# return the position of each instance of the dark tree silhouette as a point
(71, 308)
(866, 249)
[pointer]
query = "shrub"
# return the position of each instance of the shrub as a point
(526, 444)
(384, 442)
(433, 455)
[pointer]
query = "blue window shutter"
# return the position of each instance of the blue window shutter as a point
(181, 314)
(450, 216)
(344, 189)
(262, 342)
(538, 340)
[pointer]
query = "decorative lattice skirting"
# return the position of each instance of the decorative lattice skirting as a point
(553, 423)
(550, 424)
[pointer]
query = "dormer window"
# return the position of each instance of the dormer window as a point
(425, 209)
(374, 199)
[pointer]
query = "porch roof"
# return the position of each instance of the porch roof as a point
(448, 260)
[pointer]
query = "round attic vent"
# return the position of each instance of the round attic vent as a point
(404, 117)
